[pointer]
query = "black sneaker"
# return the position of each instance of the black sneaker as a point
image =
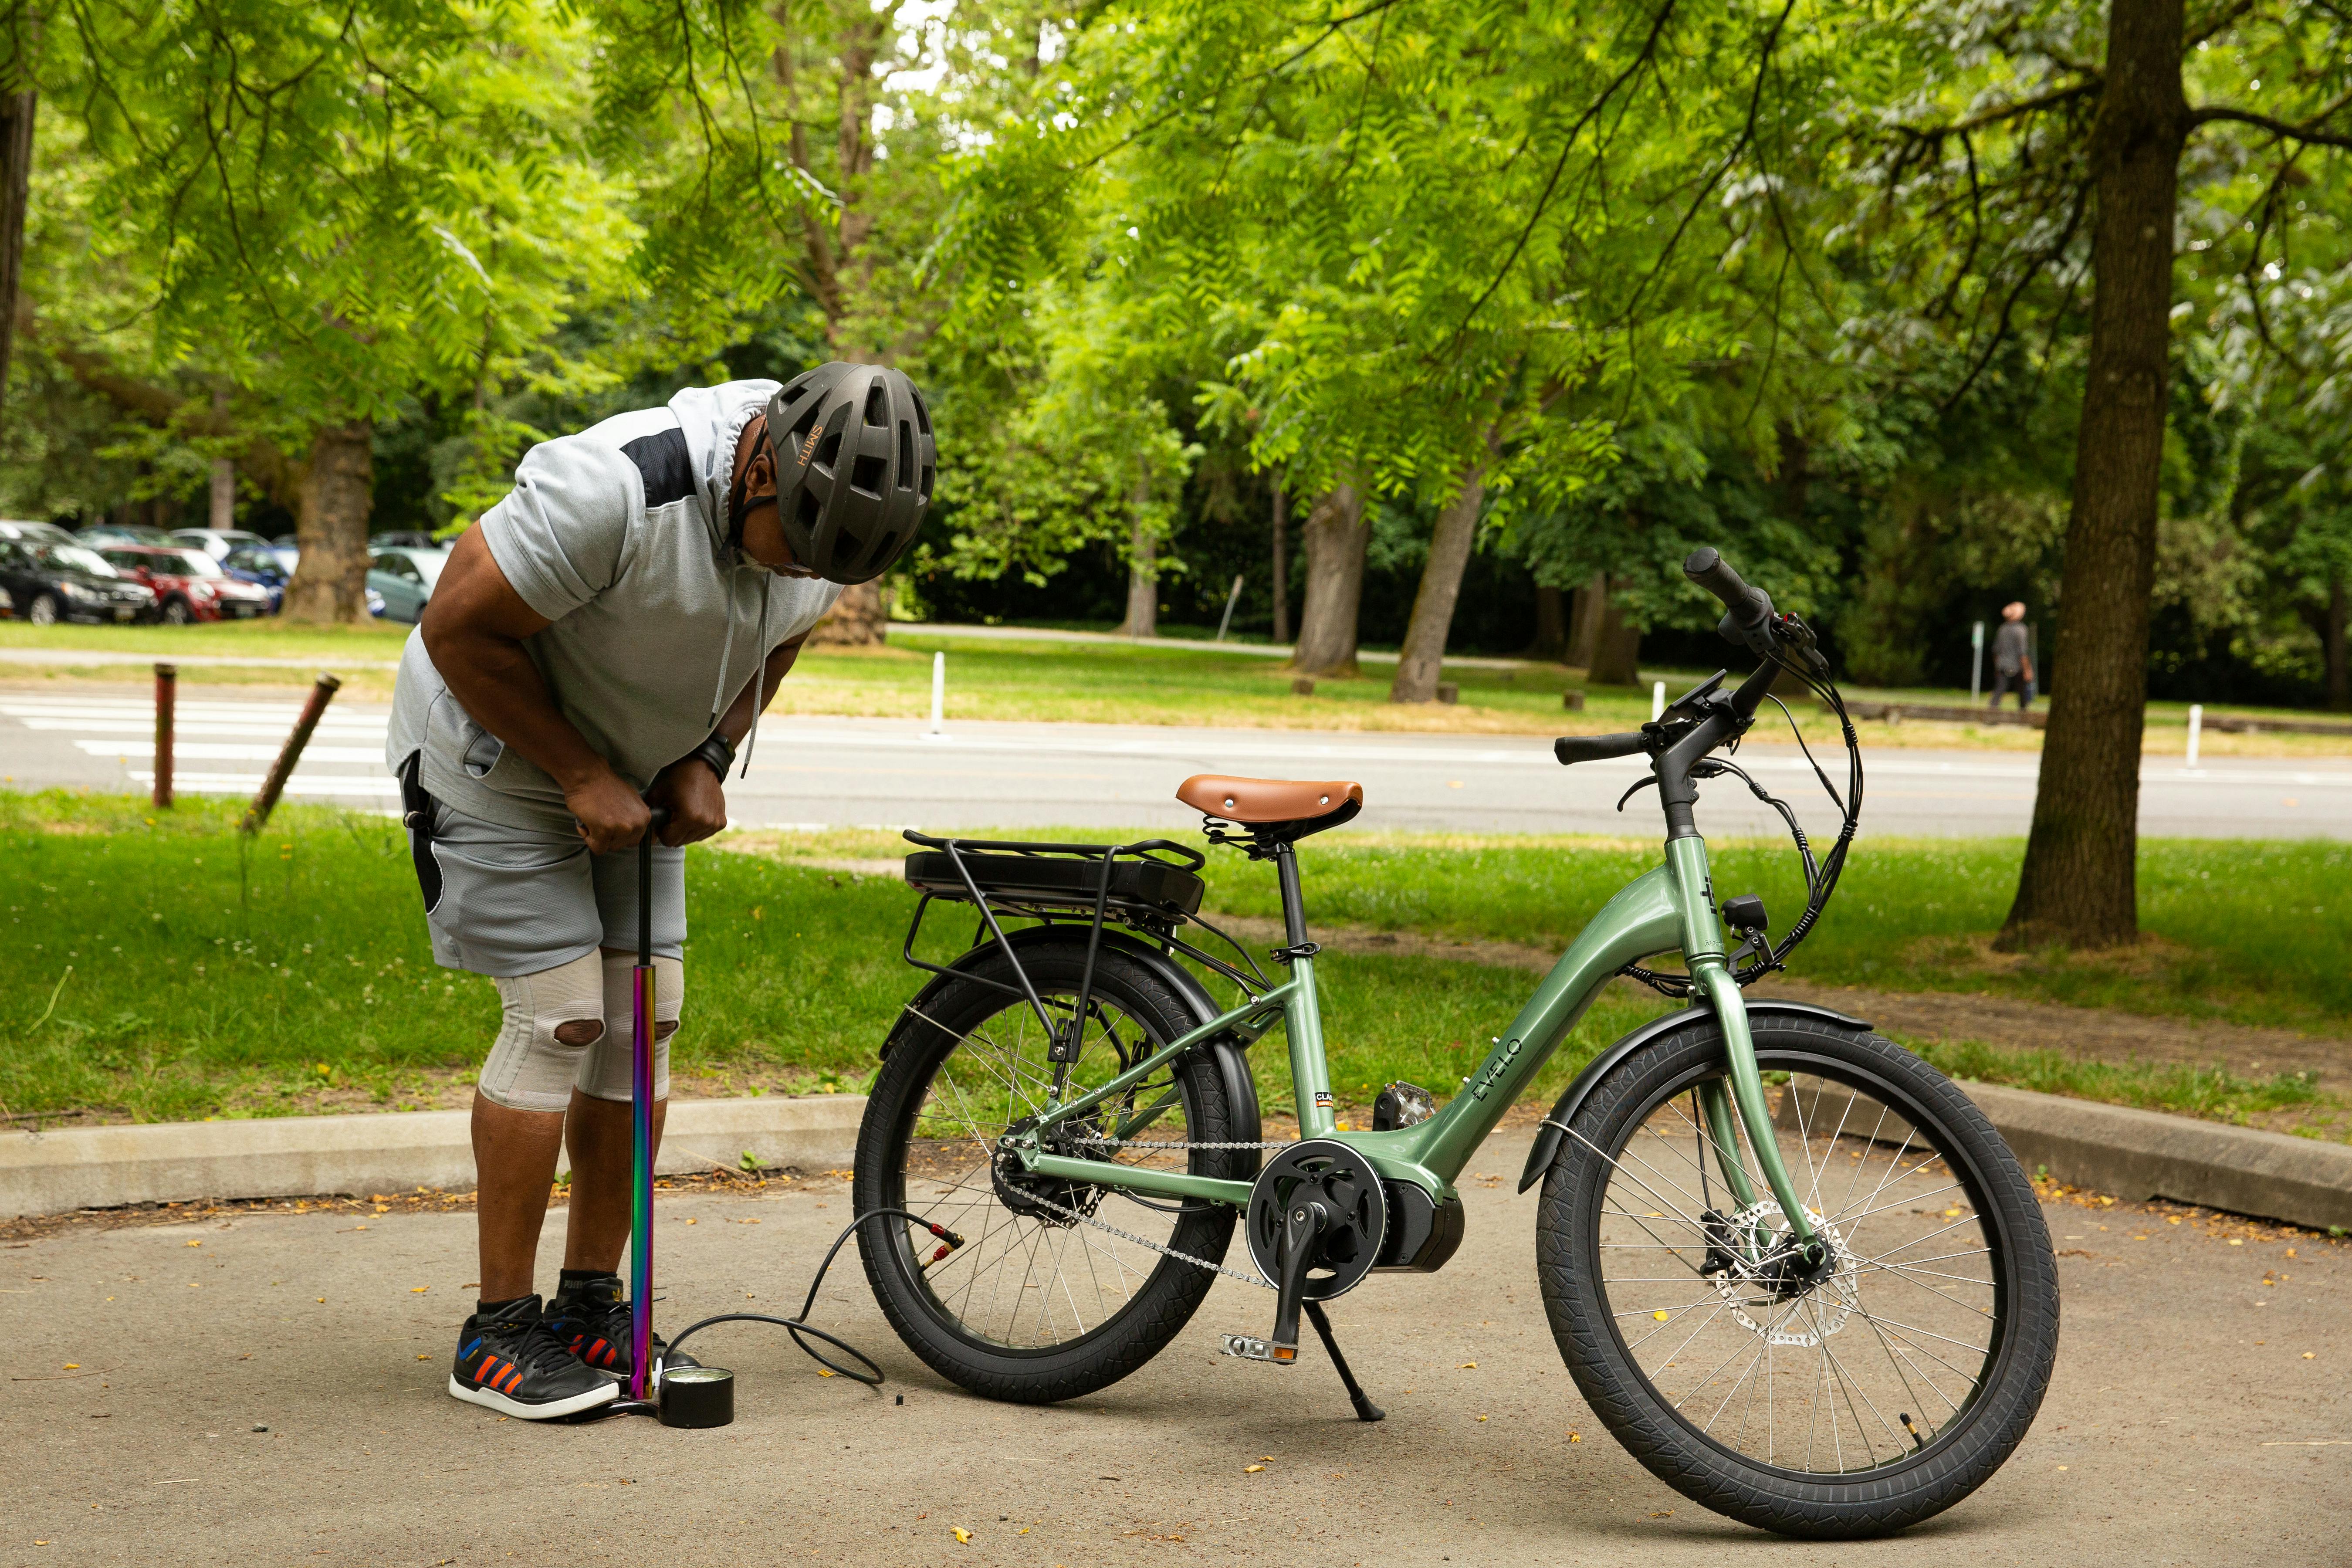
(509, 1362)
(591, 1319)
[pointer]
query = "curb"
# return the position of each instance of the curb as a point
(2141, 1154)
(172, 1161)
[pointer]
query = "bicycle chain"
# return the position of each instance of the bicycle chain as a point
(1151, 1246)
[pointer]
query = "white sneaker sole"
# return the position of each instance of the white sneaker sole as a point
(491, 1399)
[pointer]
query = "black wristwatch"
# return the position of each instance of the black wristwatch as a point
(716, 754)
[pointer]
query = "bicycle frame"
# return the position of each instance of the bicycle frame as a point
(1670, 907)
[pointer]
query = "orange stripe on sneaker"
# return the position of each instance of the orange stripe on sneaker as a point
(487, 1370)
(511, 1380)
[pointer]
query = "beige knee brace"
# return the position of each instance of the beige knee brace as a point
(604, 1074)
(553, 1021)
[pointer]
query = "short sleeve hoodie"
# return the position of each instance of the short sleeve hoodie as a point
(618, 536)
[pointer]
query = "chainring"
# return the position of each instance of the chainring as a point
(1349, 1188)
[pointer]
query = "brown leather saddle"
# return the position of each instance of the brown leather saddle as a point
(1279, 809)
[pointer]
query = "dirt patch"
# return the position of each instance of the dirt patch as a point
(2087, 1034)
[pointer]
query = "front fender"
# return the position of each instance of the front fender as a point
(1232, 1056)
(1554, 1126)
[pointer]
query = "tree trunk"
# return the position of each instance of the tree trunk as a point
(2079, 884)
(1551, 625)
(1424, 655)
(1335, 536)
(330, 577)
(224, 494)
(2339, 678)
(1142, 573)
(1616, 647)
(1591, 604)
(15, 171)
(1281, 567)
(859, 619)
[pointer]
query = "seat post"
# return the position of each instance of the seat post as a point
(1294, 903)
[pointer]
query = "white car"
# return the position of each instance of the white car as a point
(217, 542)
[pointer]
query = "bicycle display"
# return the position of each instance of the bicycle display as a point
(1794, 1270)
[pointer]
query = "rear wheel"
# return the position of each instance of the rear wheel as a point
(176, 613)
(1038, 1304)
(1850, 1393)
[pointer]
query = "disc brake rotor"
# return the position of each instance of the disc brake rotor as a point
(1765, 1267)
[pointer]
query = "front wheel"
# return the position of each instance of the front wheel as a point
(44, 610)
(1847, 1393)
(176, 613)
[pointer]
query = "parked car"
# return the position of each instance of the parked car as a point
(189, 585)
(405, 578)
(271, 566)
(216, 542)
(265, 568)
(38, 532)
(101, 534)
(400, 539)
(53, 583)
(7, 606)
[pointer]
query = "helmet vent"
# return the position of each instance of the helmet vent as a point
(927, 481)
(922, 414)
(829, 449)
(808, 511)
(878, 403)
(868, 475)
(906, 456)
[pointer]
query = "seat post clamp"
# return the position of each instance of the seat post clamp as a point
(1304, 950)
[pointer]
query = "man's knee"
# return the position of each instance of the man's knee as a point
(604, 1074)
(551, 1021)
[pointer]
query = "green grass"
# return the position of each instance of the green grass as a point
(2253, 932)
(209, 977)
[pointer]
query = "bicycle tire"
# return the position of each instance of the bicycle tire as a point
(1155, 1308)
(1991, 1407)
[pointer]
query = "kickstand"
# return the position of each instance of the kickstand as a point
(1365, 1409)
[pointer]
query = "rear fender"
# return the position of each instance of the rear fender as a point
(1554, 1127)
(1232, 1056)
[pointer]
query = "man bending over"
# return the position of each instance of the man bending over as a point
(600, 643)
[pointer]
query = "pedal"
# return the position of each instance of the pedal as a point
(1251, 1348)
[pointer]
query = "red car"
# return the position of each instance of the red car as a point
(189, 585)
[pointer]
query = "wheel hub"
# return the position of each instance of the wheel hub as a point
(1763, 1265)
(1042, 1197)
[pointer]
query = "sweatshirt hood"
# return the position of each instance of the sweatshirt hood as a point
(712, 418)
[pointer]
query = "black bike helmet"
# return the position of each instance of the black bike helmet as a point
(854, 466)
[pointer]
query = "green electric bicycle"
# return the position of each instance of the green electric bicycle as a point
(1793, 1269)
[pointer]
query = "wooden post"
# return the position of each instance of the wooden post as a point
(167, 683)
(256, 816)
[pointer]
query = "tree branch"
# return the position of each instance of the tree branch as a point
(2308, 133)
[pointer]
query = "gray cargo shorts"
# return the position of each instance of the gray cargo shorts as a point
(507, 901)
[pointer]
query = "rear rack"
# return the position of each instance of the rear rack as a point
(1151, 886)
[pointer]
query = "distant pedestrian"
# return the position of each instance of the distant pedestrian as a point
(2011, 663)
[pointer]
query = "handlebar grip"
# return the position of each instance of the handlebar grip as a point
(660, 819)
(1571, 749)
(1707, 568)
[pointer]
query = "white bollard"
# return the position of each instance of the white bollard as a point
(1657, 701)
(938, 691)
(2196, 730)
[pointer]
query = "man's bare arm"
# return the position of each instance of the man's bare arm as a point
(695, 799)
(474, 627)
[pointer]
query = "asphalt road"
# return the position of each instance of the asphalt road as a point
(2184, 1425)
(854, 773)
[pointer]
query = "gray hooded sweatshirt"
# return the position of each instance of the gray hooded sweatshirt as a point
(618, 536)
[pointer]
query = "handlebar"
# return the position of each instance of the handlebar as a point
(1571, 749)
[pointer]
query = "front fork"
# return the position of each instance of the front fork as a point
(1711, 977)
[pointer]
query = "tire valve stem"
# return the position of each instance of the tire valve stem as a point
(949, 1242)
(1917, 1440)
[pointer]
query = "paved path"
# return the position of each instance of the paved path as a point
(2184, 1425)
(850, 771)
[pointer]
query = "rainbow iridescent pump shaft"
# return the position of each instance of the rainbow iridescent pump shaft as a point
(641, 1125)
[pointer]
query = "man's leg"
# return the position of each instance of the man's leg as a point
(552, 1020)
(596, 1226)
